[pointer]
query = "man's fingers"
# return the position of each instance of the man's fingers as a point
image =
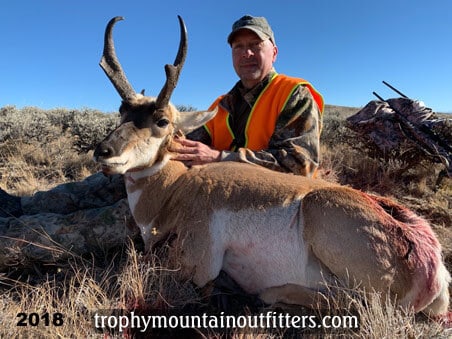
(186, 150)
(183, 157)
(186, 142)
(193, 152)
(183, 149)
(185, 146)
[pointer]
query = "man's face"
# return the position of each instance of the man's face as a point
(252, 57)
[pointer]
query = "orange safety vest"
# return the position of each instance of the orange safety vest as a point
(263, 115)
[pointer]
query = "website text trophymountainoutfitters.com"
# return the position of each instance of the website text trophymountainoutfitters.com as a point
(222, 321)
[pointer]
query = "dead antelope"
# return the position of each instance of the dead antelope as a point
(278, 235)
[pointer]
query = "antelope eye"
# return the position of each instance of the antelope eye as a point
(162, 123)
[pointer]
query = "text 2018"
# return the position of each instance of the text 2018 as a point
(34, 319)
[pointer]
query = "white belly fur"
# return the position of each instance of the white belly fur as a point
(265, 248)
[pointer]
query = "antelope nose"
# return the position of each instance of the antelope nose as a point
(103, 151)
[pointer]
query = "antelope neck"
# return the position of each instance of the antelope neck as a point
(166, 171)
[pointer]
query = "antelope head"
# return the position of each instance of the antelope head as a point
(147, 124)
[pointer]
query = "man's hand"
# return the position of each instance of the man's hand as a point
(193, 152)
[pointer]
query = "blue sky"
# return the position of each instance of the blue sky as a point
(50, 49)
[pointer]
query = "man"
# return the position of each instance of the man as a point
(267, 119)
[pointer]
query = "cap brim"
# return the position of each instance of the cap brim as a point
(261, 35)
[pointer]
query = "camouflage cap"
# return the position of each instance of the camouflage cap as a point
(258, 25)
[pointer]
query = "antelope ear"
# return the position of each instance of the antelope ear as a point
(189, 121)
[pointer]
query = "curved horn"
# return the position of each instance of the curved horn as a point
(173, 71)
(111, 66)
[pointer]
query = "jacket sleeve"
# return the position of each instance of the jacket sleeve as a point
(295, 144)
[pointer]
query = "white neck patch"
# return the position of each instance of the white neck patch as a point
(149, 171)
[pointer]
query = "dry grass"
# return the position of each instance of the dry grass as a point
(125, 280)
(27, 168)
(81, 290)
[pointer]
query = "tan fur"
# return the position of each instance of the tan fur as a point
(368, 248)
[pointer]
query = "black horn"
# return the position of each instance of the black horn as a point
(173, 71)
(111, 66)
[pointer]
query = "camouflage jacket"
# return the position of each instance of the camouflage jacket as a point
(405, 129)
(294, 146)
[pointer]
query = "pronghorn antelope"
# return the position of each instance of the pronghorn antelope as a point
(278, 235)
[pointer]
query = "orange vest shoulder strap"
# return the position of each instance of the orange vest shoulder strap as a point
(291, 81)
(218, 128)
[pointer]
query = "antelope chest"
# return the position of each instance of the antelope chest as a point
(133, 198)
